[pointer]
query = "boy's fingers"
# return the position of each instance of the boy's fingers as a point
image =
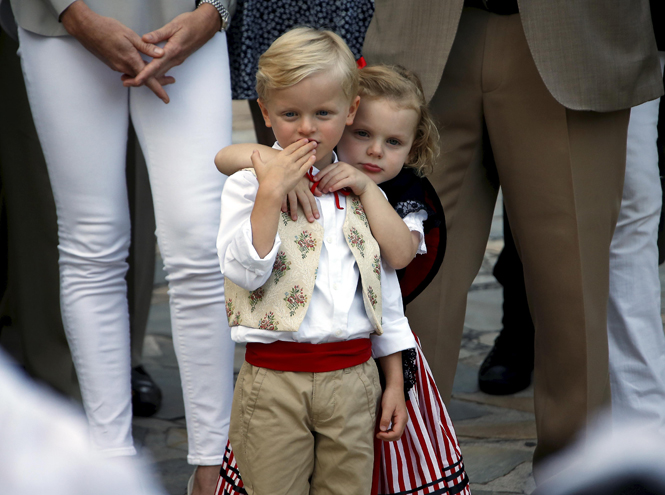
(291, 148)
(303, 158)
(307, 164)
(306, 207)
(308, 204)
(285, 206)
(312, 202)
(305, 150)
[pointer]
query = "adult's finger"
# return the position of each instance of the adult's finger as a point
(148, 49)
(156, 88)
(161, 34)
(163, 80)
(151, 69)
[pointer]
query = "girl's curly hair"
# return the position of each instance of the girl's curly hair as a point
(403, 87)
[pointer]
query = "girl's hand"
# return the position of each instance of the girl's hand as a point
(340, 175)
(393, 410)
(303, 194)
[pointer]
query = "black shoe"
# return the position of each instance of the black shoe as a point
(507, 368)
(146, 394)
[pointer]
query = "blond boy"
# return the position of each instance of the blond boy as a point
(312, 301)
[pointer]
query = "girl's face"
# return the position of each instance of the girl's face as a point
(380, 138)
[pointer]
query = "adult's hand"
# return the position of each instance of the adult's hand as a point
(183, 35)
(113, 43)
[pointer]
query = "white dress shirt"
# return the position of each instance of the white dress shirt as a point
(336, 311)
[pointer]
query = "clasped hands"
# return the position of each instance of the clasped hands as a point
(120, 48)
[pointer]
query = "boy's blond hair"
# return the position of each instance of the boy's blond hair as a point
(401, 86)
(304, 51)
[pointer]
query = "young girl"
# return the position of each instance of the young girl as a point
(392, 141)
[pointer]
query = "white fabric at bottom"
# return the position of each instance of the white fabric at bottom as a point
(81, 112)
(635, 327)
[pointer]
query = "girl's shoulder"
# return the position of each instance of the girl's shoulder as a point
(410, 193)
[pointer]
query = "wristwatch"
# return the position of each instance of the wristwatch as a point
(223, 12)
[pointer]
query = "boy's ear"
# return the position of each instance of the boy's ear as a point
(353, 108)
(264, 112)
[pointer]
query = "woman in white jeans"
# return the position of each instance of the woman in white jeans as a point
(81, 110)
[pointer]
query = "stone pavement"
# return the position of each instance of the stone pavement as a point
(496, 434)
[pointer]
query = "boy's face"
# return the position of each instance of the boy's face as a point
(315, 108)
(380, 138)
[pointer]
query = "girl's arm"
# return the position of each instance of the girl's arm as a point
(239, 156)
(398, 244)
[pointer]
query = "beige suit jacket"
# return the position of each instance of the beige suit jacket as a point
(592, 55)
(142, 16)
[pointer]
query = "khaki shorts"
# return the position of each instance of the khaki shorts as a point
(302, 433)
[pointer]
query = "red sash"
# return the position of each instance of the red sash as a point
(311, 358)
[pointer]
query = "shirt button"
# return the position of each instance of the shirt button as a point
(338, 333)
(329, 240)
(335, 286)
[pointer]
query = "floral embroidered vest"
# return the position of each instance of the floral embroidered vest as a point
(281, 303)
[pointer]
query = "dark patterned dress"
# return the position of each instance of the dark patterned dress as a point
(257, 23)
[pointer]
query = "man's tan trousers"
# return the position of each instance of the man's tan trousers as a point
(561, 172)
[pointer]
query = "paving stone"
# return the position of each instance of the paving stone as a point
(519, 403)
(488, 337)
(461, 410)
(165, 357)
(176, 438)
(476, 491)
(466, 379)
(159, 320)
(519, 480)
(151, 347)
(169, 381)
(152, 423)
(519, 430)
(485, 463)
(484, 307)
(174, 474)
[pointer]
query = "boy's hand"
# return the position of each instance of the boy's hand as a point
(340, 175)
(283, 172)
(303, 194)
(393, 410)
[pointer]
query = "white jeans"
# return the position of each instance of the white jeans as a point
(82, 111)
(635, 327)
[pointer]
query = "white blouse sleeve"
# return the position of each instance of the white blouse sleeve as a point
(397, 335)
(415, 222)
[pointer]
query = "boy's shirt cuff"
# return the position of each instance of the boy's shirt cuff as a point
(243, 265)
